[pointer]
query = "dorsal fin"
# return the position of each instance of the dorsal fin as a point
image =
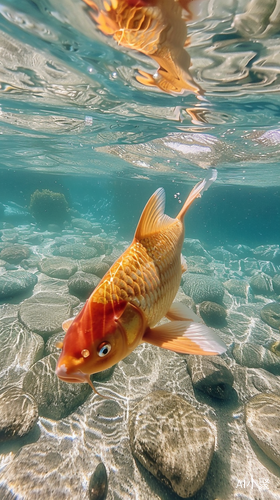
(153, 218)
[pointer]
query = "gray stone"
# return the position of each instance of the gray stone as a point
(98, 484)
(213, 314)
(245, 325)
(51, 344)
(268, 252)
(198, 260)
(58, 267)
(30, 263)
(238, 288)
(268, 268)
(270, 314)
(76, 251)
(112, 257)
(83, 224)
(240, 250)
(274, 346)
(18, 413)
(49, 469)
(201, 288)
(34, 239)
(262, 417)
(13, 283)
(19, 349)
(211, 375)
(251, 381)
(94, 266)
(172, 440)
(261, 284)
(198, 269)
(56, 399)
(9, 235)
(256, 356)
(82, 284)
(15, 254)
(276, 283)
(102, 245)
(220, 253)
(45, 312)
(249, 266)
(194, 247)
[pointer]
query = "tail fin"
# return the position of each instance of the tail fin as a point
(198, 190)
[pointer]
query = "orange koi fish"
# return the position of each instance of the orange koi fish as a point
(158, 29)
(134, 295)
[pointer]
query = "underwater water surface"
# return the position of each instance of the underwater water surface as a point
(100, 105)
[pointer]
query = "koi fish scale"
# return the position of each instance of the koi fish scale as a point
(137, 278)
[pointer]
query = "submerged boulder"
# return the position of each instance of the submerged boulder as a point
(248, 266)
(262, 418)
(240, 250)
(276, 283)
(172, 440)
(268, 252)
(45, 312)
(201, 288)
(82, 284)
(194, 247)
(76, 251)
(220, 253)
(94, 266)
(98, 484)
(58, 267)
(210, 375)
(49, 207)
(261, 284)
(56, 399)
(13, 283)
(213, 314)
(15, 254)
(19, 349)
(18, 413)
(256, 356)
(270, 314)
(238, 288)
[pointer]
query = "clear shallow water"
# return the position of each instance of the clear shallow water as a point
(75, 119)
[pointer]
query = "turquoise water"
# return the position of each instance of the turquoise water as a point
(76, 120)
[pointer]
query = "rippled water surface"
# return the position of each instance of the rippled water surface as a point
(71, 103)
(106, 116)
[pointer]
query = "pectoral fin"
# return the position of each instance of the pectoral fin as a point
(181, 312)
(184, 266)
(185, 337)
(66, 324)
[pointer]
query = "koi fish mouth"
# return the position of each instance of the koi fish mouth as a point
(76, 377)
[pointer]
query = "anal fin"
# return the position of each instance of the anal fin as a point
(185, 337)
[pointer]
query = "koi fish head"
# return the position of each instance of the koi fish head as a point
(98, 338)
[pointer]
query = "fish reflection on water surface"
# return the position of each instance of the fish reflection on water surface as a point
(134, 295)
(156, 28)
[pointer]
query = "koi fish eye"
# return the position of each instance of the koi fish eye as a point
(104, 349)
